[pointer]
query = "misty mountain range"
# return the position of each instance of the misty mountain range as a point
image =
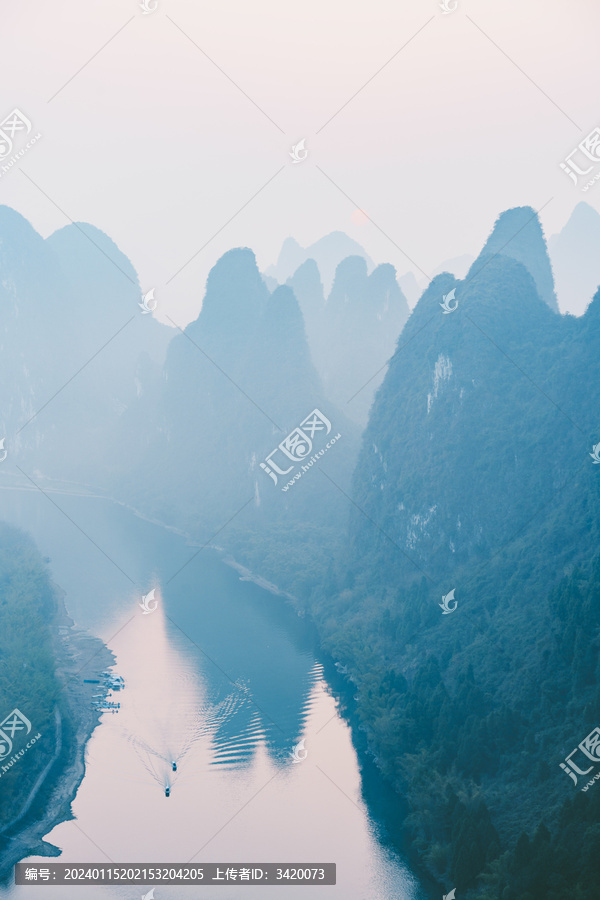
(368, 460)
(68, 306)
(78, 283)
(574, 254)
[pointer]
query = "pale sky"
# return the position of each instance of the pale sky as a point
(161, 148)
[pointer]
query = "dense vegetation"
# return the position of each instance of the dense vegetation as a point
(474, 474)
(27, 681)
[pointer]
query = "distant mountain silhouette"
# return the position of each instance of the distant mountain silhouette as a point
(308, 289)
(236, 383)
(328, 252)
(517, 233)
(574, 252)
(290, 257)
(352, 334)
(457, 266)
(72, 335)
(410, 288)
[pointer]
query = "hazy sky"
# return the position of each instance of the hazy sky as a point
(157, 142)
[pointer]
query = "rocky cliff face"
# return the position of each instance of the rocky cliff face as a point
(476, 482)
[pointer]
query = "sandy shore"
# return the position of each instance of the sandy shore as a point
(78, 655)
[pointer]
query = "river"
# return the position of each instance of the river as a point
(225, 679)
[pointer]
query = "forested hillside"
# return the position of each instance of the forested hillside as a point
(236, 384)
(476, 480)
(73, 340)
(475, 476)
(27, 664)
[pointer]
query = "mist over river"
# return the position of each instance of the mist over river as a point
(225, 679)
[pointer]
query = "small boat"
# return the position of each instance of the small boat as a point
(167, 791)
(174, 766)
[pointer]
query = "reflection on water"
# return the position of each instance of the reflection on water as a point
(243, 727)
(222, 680)
(162, 709)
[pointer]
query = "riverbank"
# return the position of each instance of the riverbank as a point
(73, 489)
(346, 684)
(393, 812)
(78, 655)
(247, 575)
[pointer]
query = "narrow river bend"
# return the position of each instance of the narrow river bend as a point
(223, 678)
